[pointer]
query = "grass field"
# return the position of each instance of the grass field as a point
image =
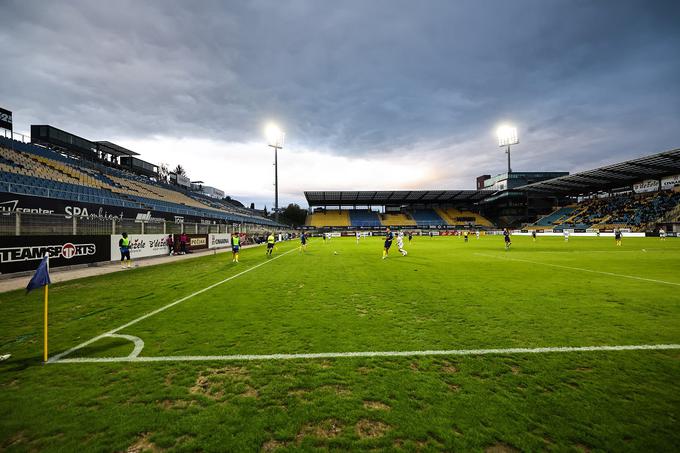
(338, 298)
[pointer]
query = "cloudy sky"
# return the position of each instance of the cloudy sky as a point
(372, 94)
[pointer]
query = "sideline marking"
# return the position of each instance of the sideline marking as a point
(580, 269)
(330, 355)
(58, 357)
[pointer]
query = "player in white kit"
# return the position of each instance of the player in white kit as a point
(400, 244)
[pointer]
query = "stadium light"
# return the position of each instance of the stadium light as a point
(275, 138)
(507, 135)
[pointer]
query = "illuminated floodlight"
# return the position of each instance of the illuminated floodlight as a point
(507, 135)
(274, 135)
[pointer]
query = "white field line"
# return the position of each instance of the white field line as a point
(331, 355)
(163, 308)
(139, 344)
(612, 274)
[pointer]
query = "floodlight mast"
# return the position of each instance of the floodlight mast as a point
(507, 135)
(275, 138)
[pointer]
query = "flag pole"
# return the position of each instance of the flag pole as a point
(47, 290)
(46, 298)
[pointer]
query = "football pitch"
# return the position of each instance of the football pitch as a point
(551, 345)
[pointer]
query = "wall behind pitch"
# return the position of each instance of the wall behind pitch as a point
(141, 246)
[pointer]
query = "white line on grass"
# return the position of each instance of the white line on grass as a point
(59, 356)
(139, 344)
(330, 355)
(580, 269)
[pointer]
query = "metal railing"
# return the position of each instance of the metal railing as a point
(32, 224)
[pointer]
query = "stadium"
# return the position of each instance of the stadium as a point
(146, 310)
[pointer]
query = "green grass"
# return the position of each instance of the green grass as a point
(444, 295)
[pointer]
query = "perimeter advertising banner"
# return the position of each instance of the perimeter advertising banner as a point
(23, 253)
(219, 240)
(11, 202)
(141, 246)
(194, 242)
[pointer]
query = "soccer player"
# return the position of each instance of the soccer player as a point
(358, 237)
(533, 235)
(303, 242)
(400, 244)
(566, 235)
(477, 234)
(271, 240)
(235, 247)
(662, 234)
(389, 236)
(465, 235)
(617, 236)
(410, 236)
(124, 245)
(506, 235)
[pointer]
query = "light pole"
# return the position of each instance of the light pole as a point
(275, 138)
(507, 135)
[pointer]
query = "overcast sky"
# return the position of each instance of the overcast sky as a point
(372, 94)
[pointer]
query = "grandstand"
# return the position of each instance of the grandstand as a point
(38, 171)
(419, 209)
(639, 194)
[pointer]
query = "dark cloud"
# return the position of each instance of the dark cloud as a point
(587, 82)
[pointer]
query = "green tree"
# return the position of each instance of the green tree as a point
(293, 215)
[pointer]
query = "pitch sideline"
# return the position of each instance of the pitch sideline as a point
(332, 355)
(58, 357)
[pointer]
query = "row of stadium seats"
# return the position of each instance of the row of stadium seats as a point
(33, 170)
(414, 218)
(630, 210)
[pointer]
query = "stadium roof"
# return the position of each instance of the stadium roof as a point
(392, 197)
(116, 150)
(611, 176)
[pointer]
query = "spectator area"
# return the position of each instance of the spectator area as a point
(33, 170)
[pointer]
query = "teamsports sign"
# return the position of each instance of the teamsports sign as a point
(23, 253)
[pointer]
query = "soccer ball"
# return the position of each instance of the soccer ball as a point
(335, 253)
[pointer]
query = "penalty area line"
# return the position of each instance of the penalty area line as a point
(58, 357)
(331, 355)
(612, 274)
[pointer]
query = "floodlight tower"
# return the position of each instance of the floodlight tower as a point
(275, 138)
(507, 135)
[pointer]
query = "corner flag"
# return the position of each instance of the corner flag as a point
(41, 276)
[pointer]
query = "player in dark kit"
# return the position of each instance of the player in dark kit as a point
(389, 236)
(617, 236)
(506, 235)
(465, 235)
(533, 235)
(410, 236)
